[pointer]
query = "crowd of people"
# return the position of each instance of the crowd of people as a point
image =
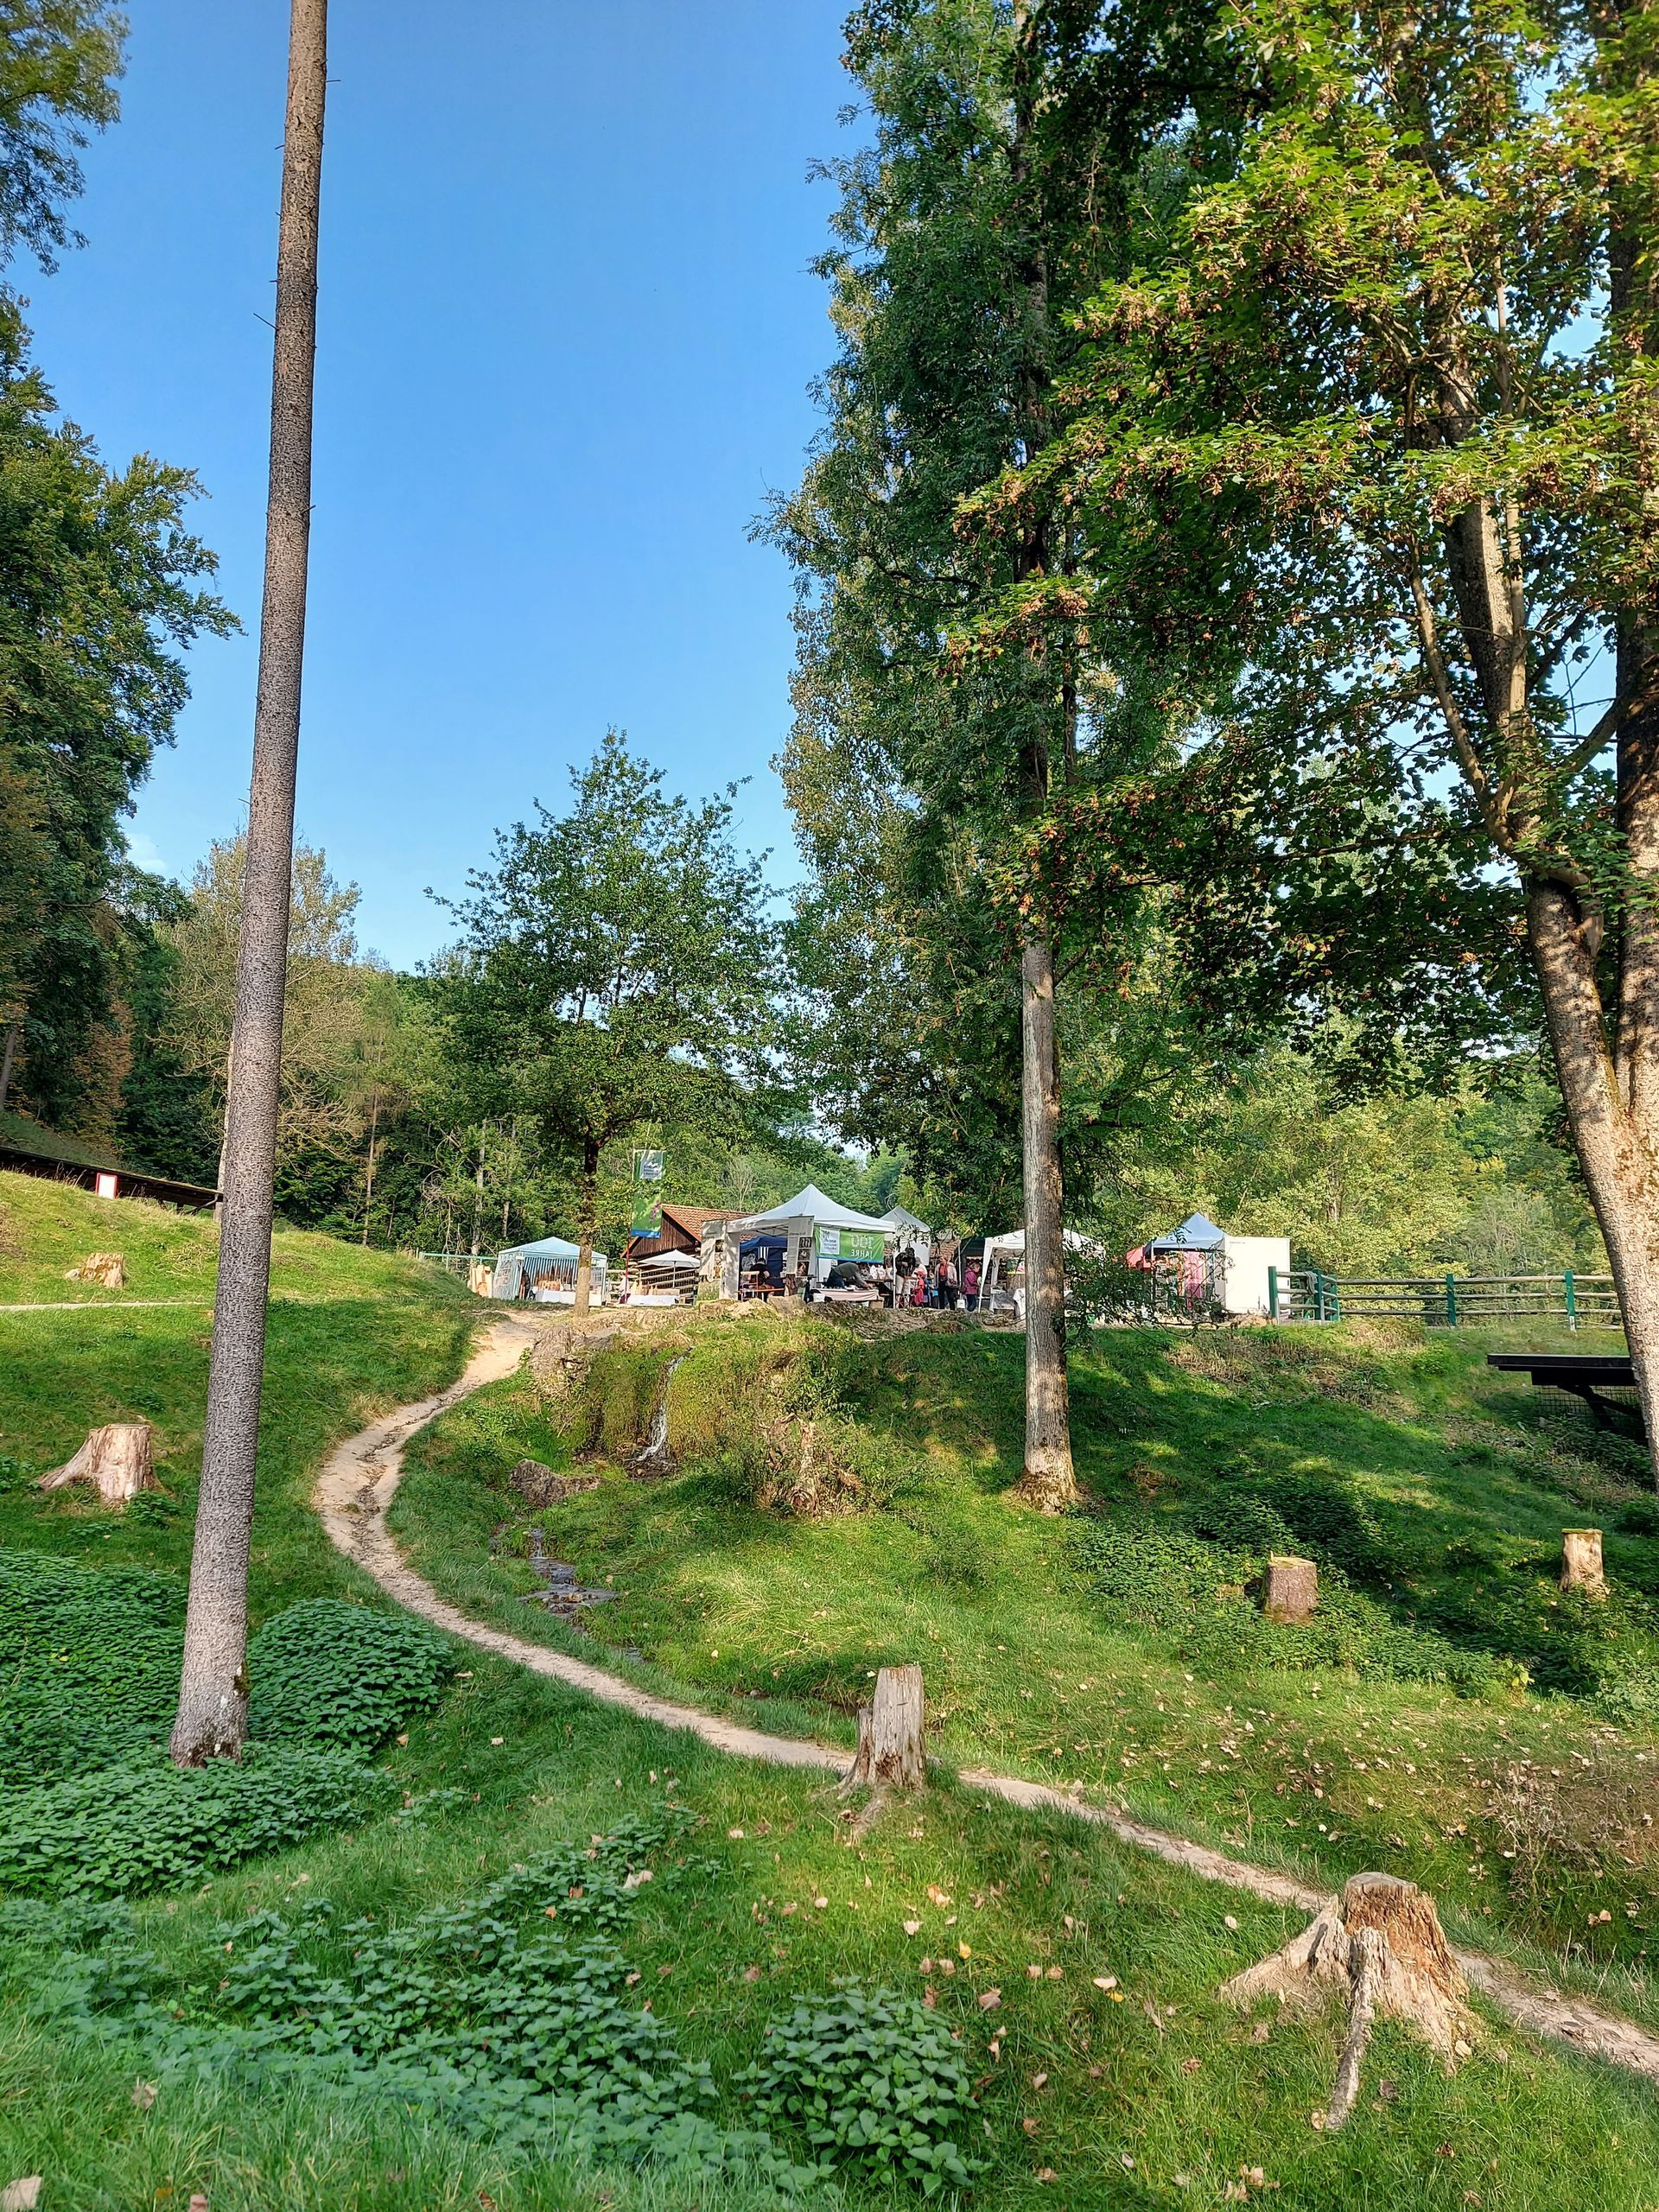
(943, 1280)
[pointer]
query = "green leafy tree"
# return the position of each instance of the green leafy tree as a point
(97, 593)
(933, 984)
(1366, 447)
(615, 973)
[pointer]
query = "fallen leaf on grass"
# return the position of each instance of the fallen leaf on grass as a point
(913, 1928)
(989, 2000)
(1191, 2065)
(1030, 2126)
(21, 2196)
(936, 1894)
(1105, 1982)
(751, 1973)
(143, 2093)
(1046, 2173)
(1039, 2081)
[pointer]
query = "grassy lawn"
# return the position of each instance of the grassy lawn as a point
(1525, 1805)
(142, 2061)
(351, 1334)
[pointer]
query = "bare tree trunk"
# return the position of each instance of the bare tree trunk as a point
(478, 1189)
(213, 1689)
(8, 1060)
(1620, 1171)
(1047, 1480)
(585, 1228)
(368, 1180)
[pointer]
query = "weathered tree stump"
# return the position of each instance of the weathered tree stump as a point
(1293, 1590)
(538, 1486)
(1379, 1946)
(116, 1459)
(1581, 1567)
(106, 1269)
(890, 1750)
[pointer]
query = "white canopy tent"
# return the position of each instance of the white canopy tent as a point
(910, 1230)
(816, 1231)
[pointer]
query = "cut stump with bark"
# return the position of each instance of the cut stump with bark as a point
(1380, 1948)
(1581, 1567)
(117, 1460)
(890, 1750)
(107, 1269)
(1292, 1590)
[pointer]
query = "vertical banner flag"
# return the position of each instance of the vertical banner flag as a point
(647, 1203)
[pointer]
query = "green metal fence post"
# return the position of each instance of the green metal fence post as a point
(1336, 1298)
(1571, 1299)
(1273, 1293)
(1451, 1302)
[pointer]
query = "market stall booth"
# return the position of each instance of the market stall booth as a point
(546, 1271)
(810, 1243)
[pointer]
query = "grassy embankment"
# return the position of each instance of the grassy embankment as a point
(1146, 2093)
(1455, 1719)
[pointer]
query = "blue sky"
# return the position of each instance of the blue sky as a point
(566, 332)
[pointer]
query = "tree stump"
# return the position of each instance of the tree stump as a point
(1581, 1567)
(117, 1460)
(538, 1486)
(890, 1751)
(1292, 1590)
(1380, 1946)
(106, 1269)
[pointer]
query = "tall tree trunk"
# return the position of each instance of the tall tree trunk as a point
(8, 1060)
(478, 1189)
(586, 1228)
(214, 1688)
(368, 1180)
(1621, 1169)
(1047, 1480)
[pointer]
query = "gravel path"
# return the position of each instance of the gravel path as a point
(357, 1484)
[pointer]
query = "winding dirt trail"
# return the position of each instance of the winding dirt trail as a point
(361, 1477)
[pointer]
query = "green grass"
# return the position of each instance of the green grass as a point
(1124, 2108)
(1456, 1478)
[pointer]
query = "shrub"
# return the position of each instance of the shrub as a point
(90, 1664)
(872, 2080)
(146, 1825)
(1194, 1589)
(328, 1673)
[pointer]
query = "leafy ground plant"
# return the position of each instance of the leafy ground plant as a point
(147, 1826)
(509, 2014)
(872, 2080)
(329, 1672)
